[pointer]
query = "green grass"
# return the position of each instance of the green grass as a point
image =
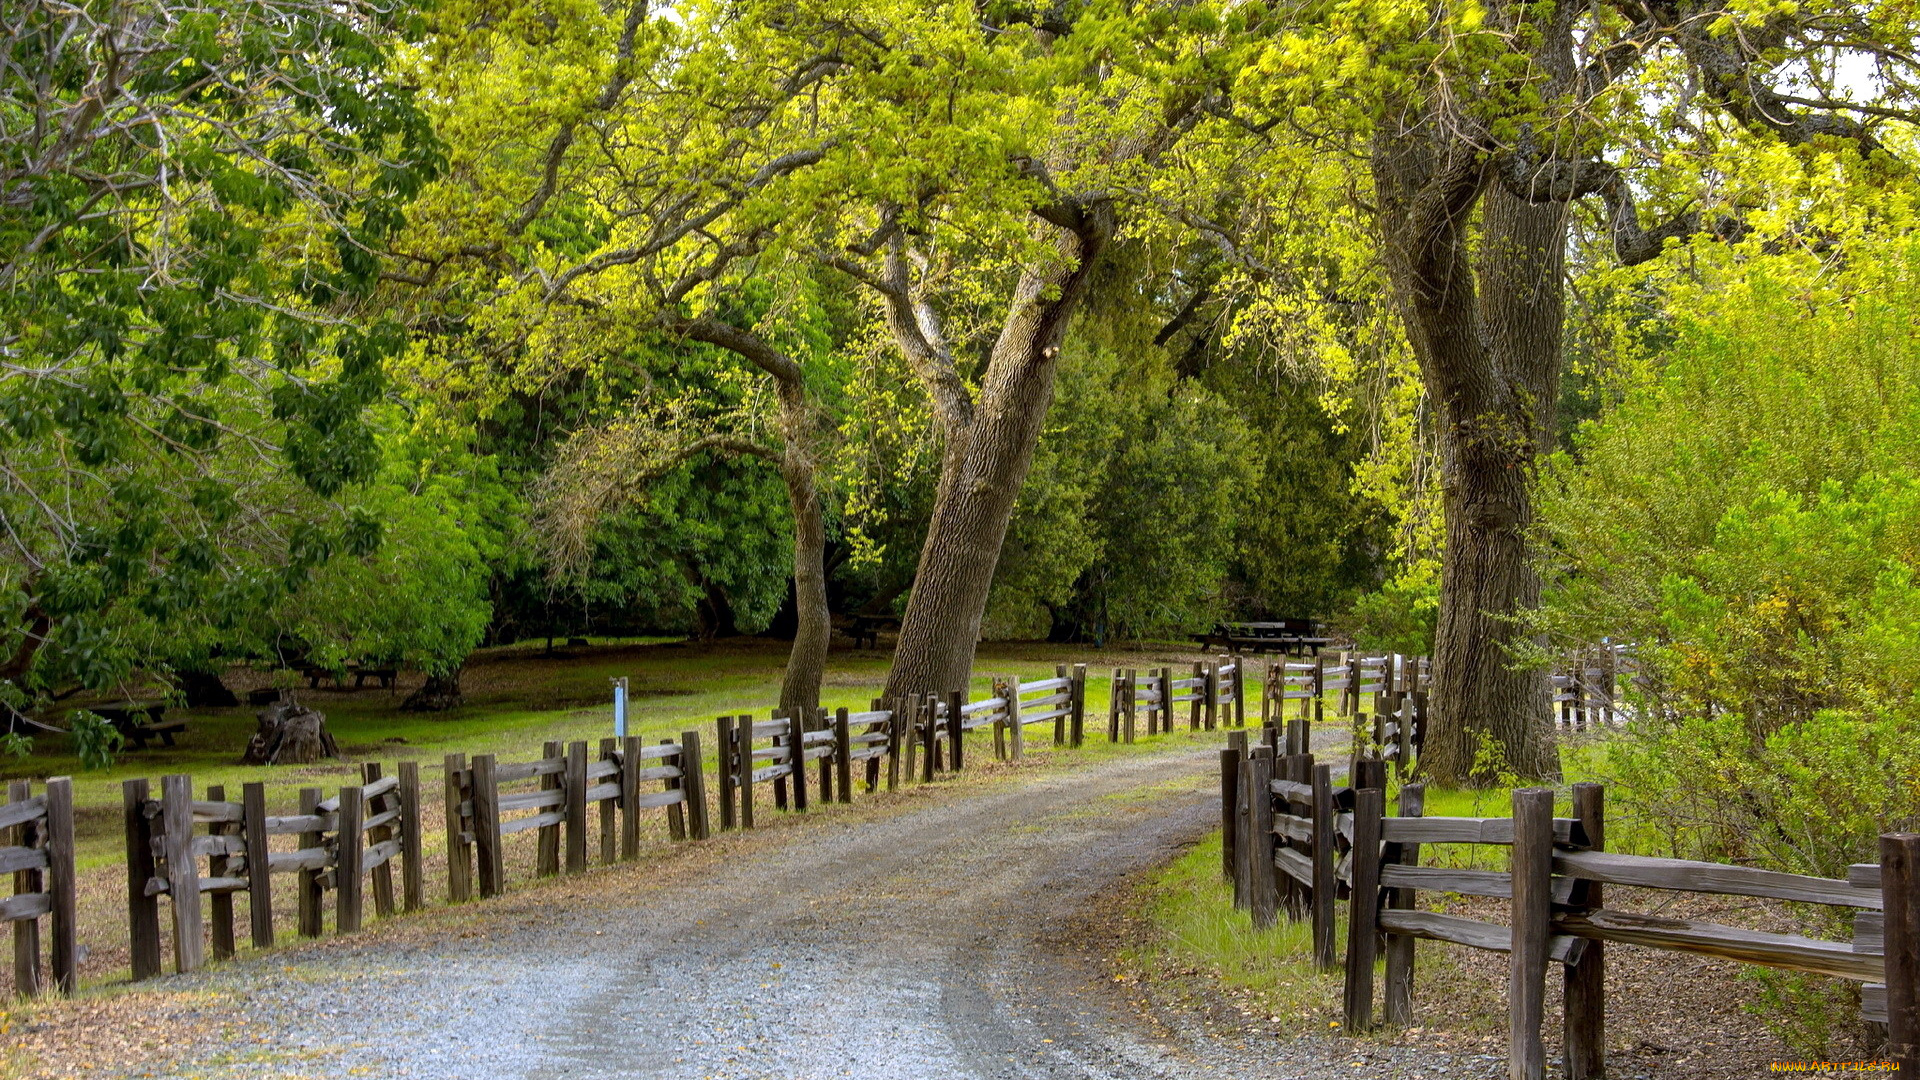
(516, 700)
(1201, 936)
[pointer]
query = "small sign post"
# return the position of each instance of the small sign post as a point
(620, 707)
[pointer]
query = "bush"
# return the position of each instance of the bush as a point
(95, 739)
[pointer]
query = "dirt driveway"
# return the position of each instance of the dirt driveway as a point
(946, 937)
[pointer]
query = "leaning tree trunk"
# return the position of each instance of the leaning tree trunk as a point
(807, 660)
(1492, 363)
(981, 475)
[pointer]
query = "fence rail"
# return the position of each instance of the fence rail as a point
(1295, 841)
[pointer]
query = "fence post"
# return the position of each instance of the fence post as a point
(1399, 987)
(609, 810)
(547, 845)
(307, 879)
(253, 819)
(743, 769)
(61, 885)
(897, 742)
(1077, 723)
(1261, 870)
(1585, 985)
(382, 874)
(1363, 908)
(1197, 705)
(956, 730)
(575, 786)
(352, 853)
(725, 772)
(220, 904)
(459, 849)
(843, 754)
(26, 932)
(797, 757)
(691, 766)
(1230, 797)
(143, 908)
(1323, 869)
(1899, 867)
(183, 874)
(490, 858)
(1532, 913)
(413, 881)
(1130, 703)
(1297, 769)
(630, 796)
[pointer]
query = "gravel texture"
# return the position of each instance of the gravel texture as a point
(948, 939)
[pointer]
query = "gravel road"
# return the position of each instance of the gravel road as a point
(941, 940)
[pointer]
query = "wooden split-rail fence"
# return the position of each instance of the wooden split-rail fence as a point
(555, 796)
(1297, 841)
(339, 843)
(1213, 692)
(39, 853)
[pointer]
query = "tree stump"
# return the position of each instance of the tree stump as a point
(441, 692)
(290, 734)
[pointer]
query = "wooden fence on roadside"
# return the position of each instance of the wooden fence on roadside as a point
(1296, 841)
(40, 855)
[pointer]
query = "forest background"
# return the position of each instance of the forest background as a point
(379, 333)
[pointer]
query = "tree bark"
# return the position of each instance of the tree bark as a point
(807, 659)
(1488, 344)
(1486, 326)
(987, 456)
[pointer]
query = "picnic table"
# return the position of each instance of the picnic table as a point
(360, 672)
(140, 722)
(867, 628)
(1294, 637)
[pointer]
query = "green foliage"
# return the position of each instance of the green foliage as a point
(95, 739)
(194, 195)
(1400, 615)
(1749, 516)
(15, 745)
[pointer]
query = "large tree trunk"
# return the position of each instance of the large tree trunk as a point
(986, 461)
(807, 660)
(1492, 362)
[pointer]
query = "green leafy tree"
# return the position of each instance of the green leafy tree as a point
(194, 196)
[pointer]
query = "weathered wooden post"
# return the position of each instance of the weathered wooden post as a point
(797, 757)
(547, 847)
(376, 810)
(843, 754)
(1230, 798)
(1532, 864)
(1584, 1029)
(1077, 724)
(26, 932)
(725, 771)
(1016, 733)
(220, 904)
(459, 844)
(1399, 987)
(307, 879)
(1900, 890)
(575, 786)
(413, 880)
(253, 822)
(350, 860)
(1261, 871)
(691, 768)
(609, 811)
(486, 827)
(1363, 909)
(183, 873)
(62, 886)
(1324, 885)
(956, 730)
(743, 769)
(143, 907)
